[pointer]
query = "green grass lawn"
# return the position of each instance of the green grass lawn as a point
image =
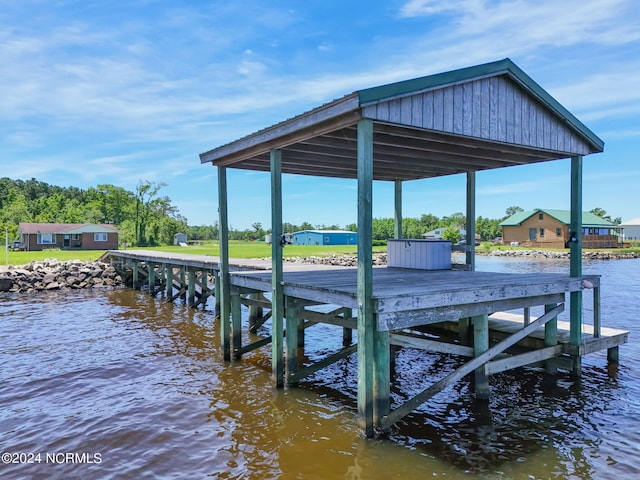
(237, 249)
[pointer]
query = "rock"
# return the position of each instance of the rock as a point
(597, 255)
(6, 283)
(52, 274)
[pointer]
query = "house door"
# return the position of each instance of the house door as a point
(532, 234)
(65, 243)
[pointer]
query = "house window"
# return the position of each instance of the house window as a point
(540, 216)
(558, 232)
(46, 238)
(542, 232)
(75, 236)
(99, 237)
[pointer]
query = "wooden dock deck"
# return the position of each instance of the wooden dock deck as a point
(407, 297)
(405, 303)
(206, 262)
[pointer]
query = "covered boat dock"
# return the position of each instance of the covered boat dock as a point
(460, 122)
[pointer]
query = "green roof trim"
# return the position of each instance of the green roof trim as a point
(563, 216)
(505, 66)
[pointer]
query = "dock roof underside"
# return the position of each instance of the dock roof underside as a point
(478, 118)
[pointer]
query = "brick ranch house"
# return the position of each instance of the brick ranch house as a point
(79, 236)
(550, 228)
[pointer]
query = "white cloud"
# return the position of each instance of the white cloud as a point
(141, 97)
(633, 133)
(614, 92)
(521, 187)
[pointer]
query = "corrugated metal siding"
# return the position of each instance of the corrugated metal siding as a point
(493, 108)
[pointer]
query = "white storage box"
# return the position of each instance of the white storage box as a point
(419, 253)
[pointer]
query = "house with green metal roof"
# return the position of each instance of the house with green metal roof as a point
(550, 228)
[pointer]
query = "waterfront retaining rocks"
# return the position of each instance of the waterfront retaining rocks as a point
(595, 255)
(53, 274)
(381, 258)
(338, 260)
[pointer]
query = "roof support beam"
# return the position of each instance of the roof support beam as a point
(366, 317)
(397, 211)
(471, 220)
(277, 300)
(575, 252)
(223, 275)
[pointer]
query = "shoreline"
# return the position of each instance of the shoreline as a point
(53, 274)
(381, 258)
(596, 255)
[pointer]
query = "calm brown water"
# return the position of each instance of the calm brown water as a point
(133, 387)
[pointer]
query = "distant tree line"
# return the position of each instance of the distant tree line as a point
(143, 217)
(383, 228)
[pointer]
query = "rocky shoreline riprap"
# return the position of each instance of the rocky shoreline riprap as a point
(381, 258)
(338, 260)
(596, 255)
(53, 274)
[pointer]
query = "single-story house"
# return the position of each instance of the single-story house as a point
(437, 233)
(630, 230)
(81, 236)
(550, 228)
(324, 237)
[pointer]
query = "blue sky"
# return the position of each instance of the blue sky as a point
(121, 91)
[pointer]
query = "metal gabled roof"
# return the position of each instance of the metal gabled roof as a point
(507, 120)
(563, 216)
(505, 66)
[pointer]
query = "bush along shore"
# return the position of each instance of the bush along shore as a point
(53, 274)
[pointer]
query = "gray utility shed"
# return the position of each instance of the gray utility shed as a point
(477, 118)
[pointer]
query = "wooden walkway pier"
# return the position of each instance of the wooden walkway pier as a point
(191, 277)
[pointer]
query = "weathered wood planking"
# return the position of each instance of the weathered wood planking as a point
(206, 262)
(510, 322)
(494, 108)
(407, 297)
